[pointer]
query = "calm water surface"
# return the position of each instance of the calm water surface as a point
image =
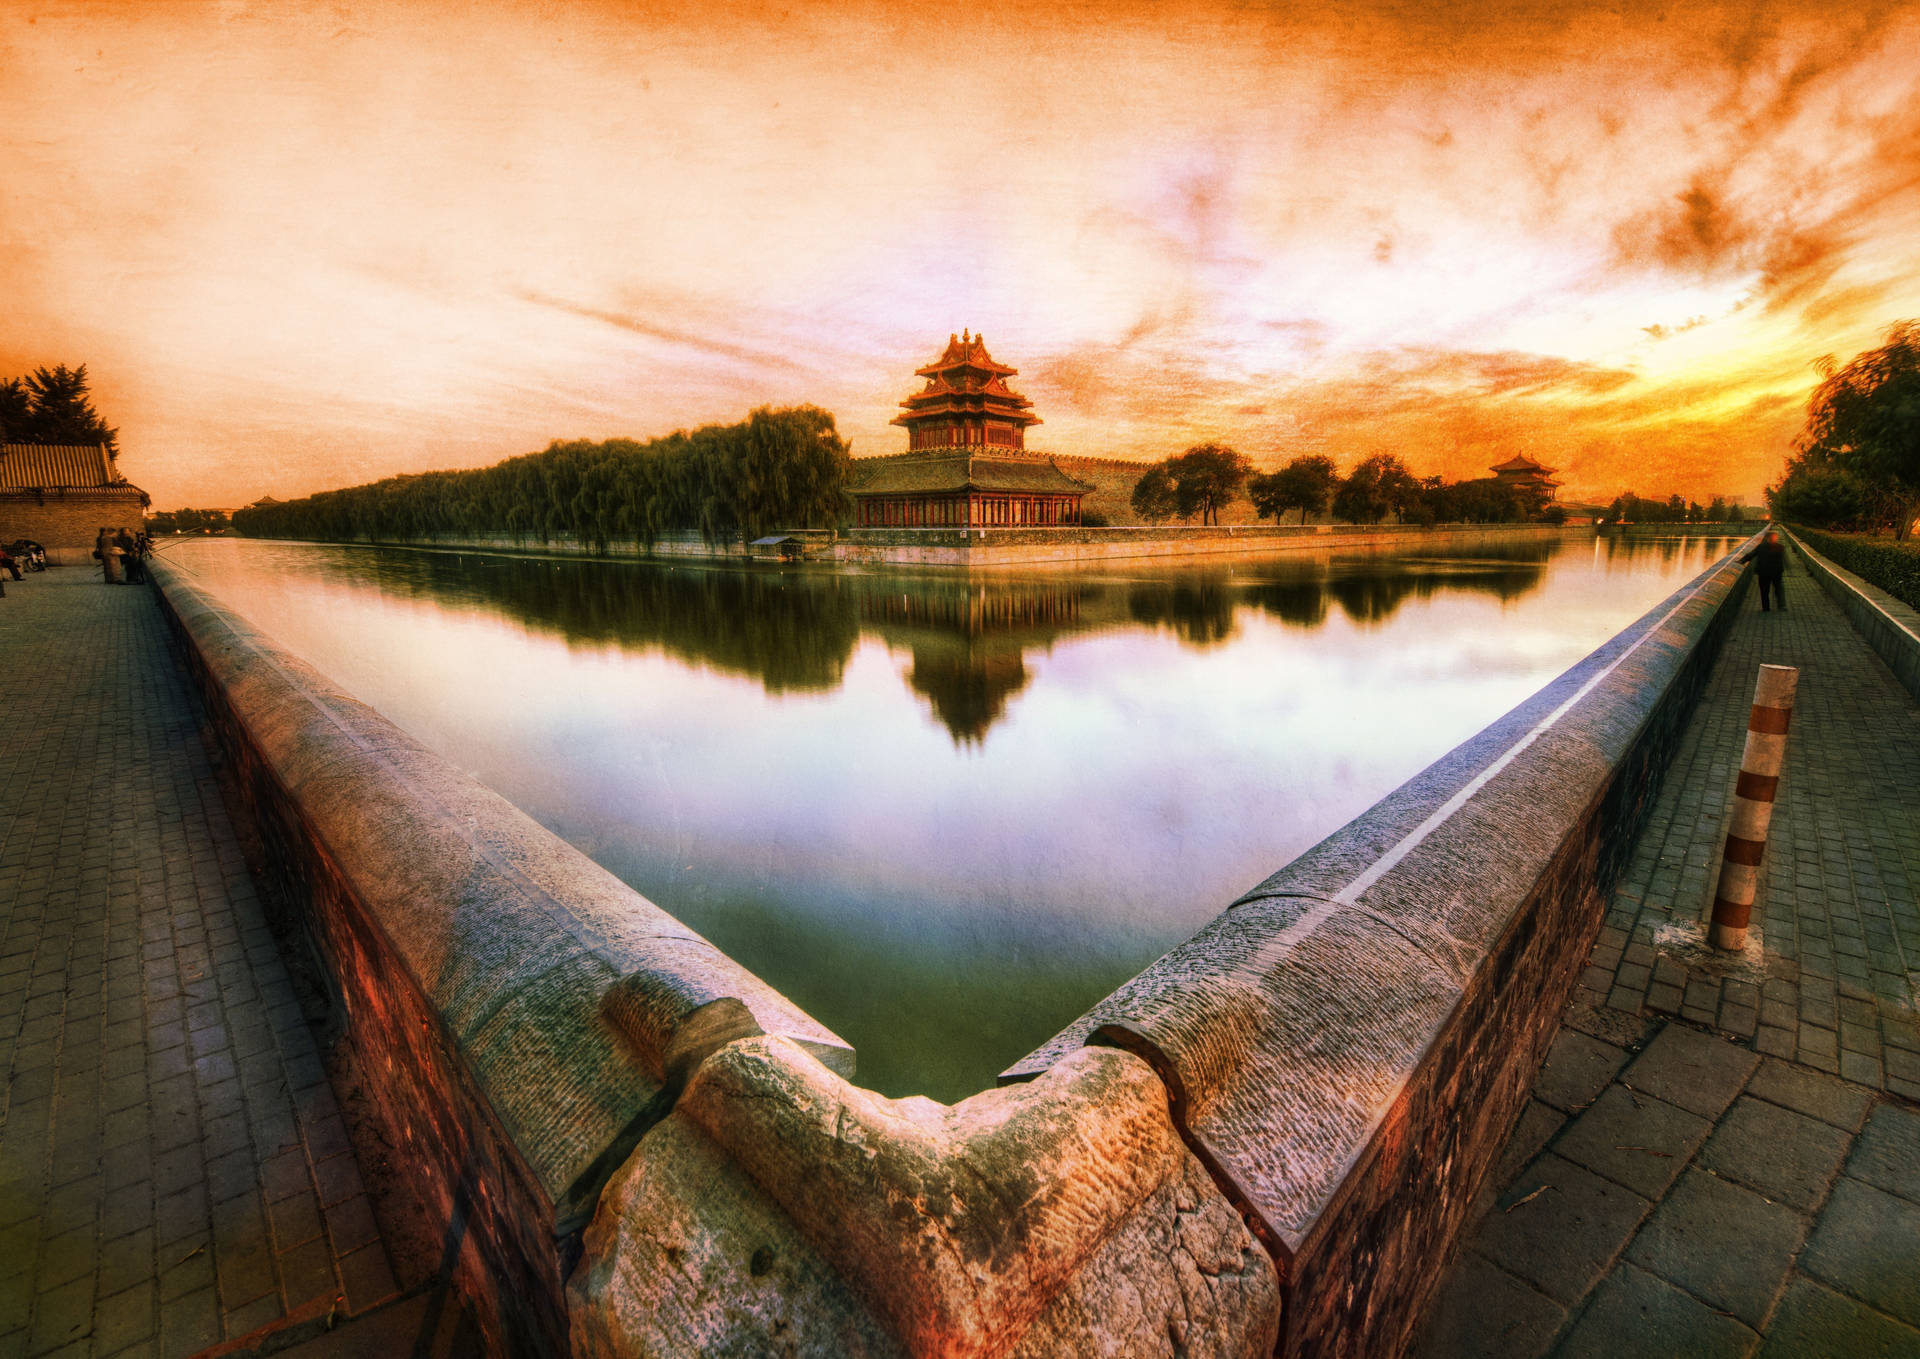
(944, 814)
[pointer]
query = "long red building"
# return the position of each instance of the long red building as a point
(967, 463)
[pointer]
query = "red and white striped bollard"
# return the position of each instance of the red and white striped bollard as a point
(1753, 798)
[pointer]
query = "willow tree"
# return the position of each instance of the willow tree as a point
(1864, 419)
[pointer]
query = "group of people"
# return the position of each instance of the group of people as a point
(123, 556)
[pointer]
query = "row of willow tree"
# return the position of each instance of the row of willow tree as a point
(1633, 509)
(1208, 477)
(1856, 465)
(775, 469)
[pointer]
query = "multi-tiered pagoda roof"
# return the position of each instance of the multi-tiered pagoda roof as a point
(1522, 471)
(966, 401)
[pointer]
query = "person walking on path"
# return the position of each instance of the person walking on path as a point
(1770, 566)
(108, 552)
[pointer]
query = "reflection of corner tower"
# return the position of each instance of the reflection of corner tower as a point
(1526, 476)
(967, 462)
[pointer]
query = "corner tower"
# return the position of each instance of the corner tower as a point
(966, 402)
(967, 464)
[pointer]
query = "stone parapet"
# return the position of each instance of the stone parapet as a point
(1267, 1142)
(782, 1210)
(1348, 1045)
(1890, 627)
(527, 1016)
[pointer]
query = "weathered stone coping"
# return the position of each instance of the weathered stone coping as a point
(1348, 1044)
(958, 547)
(1890, 627)
(527, 1015)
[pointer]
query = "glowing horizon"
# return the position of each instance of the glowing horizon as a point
(308, 247)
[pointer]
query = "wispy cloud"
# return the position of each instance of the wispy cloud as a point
(296, 250)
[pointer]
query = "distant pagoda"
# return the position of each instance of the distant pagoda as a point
(967, 463)
(1525, 475)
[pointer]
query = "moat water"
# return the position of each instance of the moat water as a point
(943, 813)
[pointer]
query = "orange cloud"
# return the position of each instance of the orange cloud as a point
(303, 245)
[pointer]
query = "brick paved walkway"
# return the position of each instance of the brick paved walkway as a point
(174, 1171)
(1722, 1156)
(1831, 978)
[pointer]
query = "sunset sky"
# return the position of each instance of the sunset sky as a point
(306, 246)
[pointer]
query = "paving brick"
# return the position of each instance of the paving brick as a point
(1865, 1244)
(1787, 1156)
(367, 1278)
(1563, 1239)
(126, 1262)
(124, 1318)
(1660, 1318)
(190, 1323)
(1577, 1069)
(307, 1272)
(61, 1315)
(351, 1225)
(252, 1316)
(1809, 1092)
(296, 1219)
(1887, 1153)
(1724, 1244)
(1664, 998)
(1858, 1066)
(1814, 1322)
(1696, 1071)
(1484, 1311)
(1634, 1140)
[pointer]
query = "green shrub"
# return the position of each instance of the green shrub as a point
(1893, 566)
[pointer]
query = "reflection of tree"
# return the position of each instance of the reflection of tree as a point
(789, 632)
(1620, 549)
(1372, 596)
(1200, 612)
(1303, 603)
(796, 630)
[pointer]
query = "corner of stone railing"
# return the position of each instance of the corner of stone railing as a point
(533, 1014)
(1348, 1044)
(780, 1209)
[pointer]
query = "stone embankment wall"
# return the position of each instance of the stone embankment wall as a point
(1892, 628)
(1348, 1045)
(1267, 1141)
(1036, 546)
(1021, 547)
(526, 1016)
